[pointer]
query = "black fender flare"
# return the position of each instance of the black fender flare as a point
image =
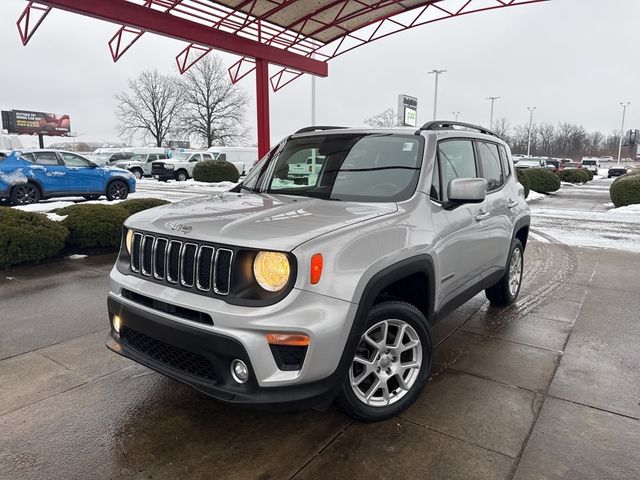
(387, 276)
(525, 221)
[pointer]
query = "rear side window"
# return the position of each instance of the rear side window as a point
(506, 167)
(457, 160)
(152, 158)
(491, 166)
(206, 156)
(46, 158)
(222, 156)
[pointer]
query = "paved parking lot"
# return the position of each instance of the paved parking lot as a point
(546, 389)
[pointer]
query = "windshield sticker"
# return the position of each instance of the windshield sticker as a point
(408, 147)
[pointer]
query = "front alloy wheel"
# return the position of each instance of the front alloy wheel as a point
(117, 190)
(391, 364)
(506, 291)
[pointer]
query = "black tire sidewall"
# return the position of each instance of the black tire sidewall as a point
(14, 201)
(386, 311)
(515, 244)
(110, 197)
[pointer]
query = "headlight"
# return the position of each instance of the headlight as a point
(169, 166)
(271, 270)
(128, 242)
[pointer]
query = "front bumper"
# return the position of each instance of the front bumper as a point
(201, 355)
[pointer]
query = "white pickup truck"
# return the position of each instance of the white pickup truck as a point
(300, 172)
(179, 167)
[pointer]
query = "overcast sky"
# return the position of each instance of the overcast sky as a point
(575, 60)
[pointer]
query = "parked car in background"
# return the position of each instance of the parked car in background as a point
(179, 167)
(243, 158)
(29, 176)
(108, 156)
(591, 164)
(606, 159)
(569, 166)
(531, 162)
(143, 157)
(553, 165)
(617, 171)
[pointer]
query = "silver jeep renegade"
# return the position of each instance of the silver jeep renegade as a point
(299, 290)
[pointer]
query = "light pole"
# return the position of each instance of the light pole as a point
(493, 99)
(624, 106)
(455, 114)
(437, 73)
(531, 110)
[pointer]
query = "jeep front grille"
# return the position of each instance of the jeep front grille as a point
(204, 268)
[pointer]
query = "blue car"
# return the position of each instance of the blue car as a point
(29, 176)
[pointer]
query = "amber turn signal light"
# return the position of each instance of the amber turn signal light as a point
(291, 339)
(316, 268)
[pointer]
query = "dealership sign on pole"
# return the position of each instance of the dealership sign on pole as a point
(407, 111)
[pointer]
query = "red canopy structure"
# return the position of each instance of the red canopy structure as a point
(298, 36)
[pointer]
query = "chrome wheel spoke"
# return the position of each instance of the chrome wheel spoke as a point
(378, 376)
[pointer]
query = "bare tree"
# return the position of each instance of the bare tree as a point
(383, 119)
(214, 107)
(150, 106)
(502, 128)
(547, 134)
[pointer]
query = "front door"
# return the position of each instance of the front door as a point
(84, 177)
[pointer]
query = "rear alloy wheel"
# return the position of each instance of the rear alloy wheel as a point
(25, 194)
(506, 291)
(391, 364)
(182, 176)
(137, 173)
(117, 190)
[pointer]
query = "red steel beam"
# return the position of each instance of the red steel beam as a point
(127, 13)
(262, 98)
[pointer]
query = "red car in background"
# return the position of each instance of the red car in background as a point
(569, 166)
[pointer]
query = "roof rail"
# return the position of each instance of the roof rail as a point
(449, 125)
(316, 128)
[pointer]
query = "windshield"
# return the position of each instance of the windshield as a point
(360, 167)
(181, 157)
(588, 162)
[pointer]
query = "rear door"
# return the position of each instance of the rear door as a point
(84, 177)
(459, 245)
(53, 176)
(497, 227)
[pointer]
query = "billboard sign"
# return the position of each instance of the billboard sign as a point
(24, 122)
(407, 111)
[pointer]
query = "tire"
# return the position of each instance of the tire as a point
(182, 176)
(137, 173)
(117, 190)
(384, 360)
(506, 291)
(25, 194)
(91, 197)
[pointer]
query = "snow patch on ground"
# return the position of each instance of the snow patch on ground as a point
(533, 196)
(76, 256)
(55, 217)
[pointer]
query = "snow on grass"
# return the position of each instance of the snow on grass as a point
(533, 196)
(55, 217)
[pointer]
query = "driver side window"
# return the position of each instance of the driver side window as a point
(457, 160)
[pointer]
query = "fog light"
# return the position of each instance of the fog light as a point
(117, 323)
(239, 371)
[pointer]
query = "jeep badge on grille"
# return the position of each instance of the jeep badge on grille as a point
(181, 227)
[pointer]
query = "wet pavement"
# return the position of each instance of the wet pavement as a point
(546, 389)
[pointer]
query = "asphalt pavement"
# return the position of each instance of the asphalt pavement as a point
(547, 388)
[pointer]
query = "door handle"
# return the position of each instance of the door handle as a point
(512, 204)
(482, 216)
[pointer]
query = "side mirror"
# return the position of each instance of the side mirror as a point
(466, 190)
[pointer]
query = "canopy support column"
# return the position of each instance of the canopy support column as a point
(262, 100)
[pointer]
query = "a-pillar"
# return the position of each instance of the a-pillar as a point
(262, 100)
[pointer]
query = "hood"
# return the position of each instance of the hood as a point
(118, 168)
(275, 222)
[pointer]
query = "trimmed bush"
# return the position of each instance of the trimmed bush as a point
(589, 174)
(94, 225)
(136, 205)
(524, 181)
(573, 175)
(214, 171)
(27, 237)
(625, 190)
(542, 180)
